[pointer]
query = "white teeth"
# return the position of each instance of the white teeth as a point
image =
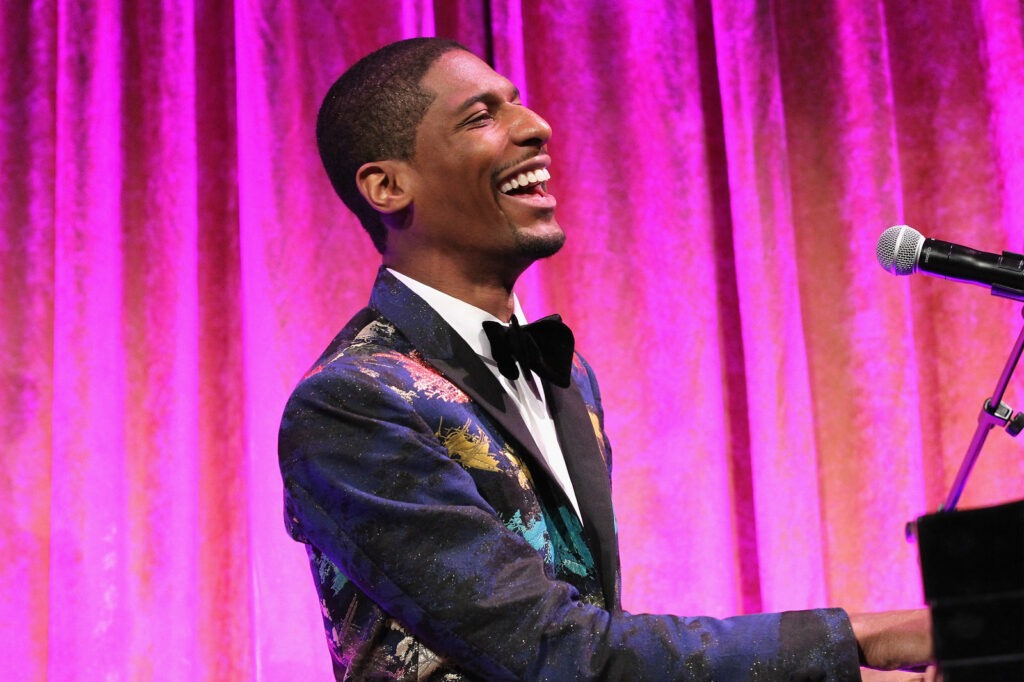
(524, 179)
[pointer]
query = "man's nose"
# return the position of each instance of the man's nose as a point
(530, 129)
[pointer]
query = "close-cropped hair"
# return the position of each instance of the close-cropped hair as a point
(371, 113)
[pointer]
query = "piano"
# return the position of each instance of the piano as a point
(972, 568)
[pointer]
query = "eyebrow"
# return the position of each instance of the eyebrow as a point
(489, 96)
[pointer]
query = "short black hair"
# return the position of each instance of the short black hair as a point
(371, 113)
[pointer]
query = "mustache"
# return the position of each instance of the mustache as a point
(523, 159)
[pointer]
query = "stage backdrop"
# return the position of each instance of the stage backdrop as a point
(172, 259)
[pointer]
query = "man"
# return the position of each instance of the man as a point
(454, 498)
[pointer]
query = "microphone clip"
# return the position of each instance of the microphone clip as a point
(1003, 291)
(1004, 415)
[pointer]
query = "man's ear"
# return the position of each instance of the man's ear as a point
(383, 185)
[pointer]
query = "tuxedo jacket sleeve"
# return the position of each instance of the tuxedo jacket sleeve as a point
(442, 548)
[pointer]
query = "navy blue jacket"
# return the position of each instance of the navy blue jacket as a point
(442, 548)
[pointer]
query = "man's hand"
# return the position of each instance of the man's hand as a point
(894, 639)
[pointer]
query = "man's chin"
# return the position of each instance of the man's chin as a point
(534, 246)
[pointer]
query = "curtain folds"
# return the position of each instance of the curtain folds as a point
(172, 258)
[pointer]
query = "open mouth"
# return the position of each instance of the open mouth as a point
(530, 182)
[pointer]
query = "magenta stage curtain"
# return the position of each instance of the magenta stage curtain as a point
(172, 258)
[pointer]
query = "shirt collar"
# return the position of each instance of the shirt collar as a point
(467, 320)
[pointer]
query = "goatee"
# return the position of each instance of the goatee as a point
(535, 247)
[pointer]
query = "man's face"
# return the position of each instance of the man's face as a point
(480, 169)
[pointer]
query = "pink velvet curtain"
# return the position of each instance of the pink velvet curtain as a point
(172, 258)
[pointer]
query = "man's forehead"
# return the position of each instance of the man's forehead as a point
(459, 79)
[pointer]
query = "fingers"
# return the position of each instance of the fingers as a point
(872, 675)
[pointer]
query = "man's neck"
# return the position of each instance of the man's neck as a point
(491, 294)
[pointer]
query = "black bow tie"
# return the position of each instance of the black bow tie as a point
(544, 346)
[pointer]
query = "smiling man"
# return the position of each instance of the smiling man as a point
(445, 464)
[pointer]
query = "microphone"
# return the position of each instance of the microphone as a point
(902, 250)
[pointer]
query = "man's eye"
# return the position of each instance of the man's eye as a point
(482, 117)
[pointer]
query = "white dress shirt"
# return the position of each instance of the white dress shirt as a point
(526, 391)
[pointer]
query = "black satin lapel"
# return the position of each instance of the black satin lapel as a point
(589, 474)
(445, 350)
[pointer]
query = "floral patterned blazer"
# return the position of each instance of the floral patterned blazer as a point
(442, 548)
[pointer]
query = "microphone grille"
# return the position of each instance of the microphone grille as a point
(898, 249)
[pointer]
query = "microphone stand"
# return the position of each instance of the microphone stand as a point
(994, 412)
